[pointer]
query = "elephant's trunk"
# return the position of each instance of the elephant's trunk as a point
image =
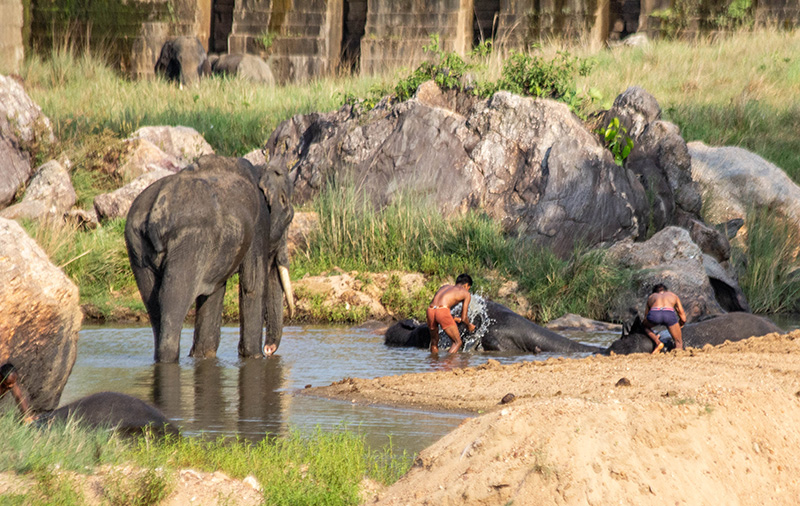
(286, 284)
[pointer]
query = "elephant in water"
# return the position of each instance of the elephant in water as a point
(715, 330)
(114, 410)
(499, 329)
(188, 233)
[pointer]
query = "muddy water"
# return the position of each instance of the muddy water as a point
(251, 398)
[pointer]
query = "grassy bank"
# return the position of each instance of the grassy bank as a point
(322, 468)
(740, 89)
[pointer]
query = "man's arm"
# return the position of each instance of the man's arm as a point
(679, 311)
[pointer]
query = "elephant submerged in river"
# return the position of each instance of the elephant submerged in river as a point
(714, 331)
(188, 233)
(505, 330)
(113, 410)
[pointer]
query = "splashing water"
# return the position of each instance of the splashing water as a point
(478, 316)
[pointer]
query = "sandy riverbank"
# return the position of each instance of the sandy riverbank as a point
(711, 426)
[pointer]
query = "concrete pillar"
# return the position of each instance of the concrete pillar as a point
(11, 48)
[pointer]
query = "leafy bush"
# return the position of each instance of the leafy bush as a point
(617, 141)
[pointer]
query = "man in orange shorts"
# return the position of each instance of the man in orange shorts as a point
(438, 312)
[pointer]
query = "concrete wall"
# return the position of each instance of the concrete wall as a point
(307, 35)
(11, 46)
(396, 31)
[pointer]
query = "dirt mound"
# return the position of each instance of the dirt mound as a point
(710, 426)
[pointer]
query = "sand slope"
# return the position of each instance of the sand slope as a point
(713, 426)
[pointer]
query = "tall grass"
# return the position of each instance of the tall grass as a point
(411, 235)
(769, 264)
(740, 89)
(320, 468)
(82, 96)
(96, 260)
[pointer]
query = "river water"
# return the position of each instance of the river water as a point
(250, 398)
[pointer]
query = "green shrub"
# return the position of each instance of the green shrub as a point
(768, 262)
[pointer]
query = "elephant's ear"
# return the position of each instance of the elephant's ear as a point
(637, 327)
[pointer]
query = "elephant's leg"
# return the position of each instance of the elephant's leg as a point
(207, 324)
(176, 294)
(251, 304)
(147, 281)
(273, 311)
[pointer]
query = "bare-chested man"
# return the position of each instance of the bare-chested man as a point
(664, 308)
(438, 312)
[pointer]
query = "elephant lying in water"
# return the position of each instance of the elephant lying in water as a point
(121, 412)
(499, 329)
(713, 331)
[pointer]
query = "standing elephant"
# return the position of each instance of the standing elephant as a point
(188, 233)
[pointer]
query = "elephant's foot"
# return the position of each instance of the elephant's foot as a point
(269, 349)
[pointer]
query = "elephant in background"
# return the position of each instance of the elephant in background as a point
(188, 233)
(505, 331)
(714, 331)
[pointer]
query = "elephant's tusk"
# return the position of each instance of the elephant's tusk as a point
(286, 284)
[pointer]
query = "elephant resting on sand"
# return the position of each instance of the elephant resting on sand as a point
(189, 232)
(506, 331)
(715, 330)
(120, 412)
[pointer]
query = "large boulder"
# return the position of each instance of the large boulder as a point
(247, 66)
(733, 180)
(672, 258)
(41, 317)
(140, 156)
(116, 204)
(49, 195)
(183, 143)
(184, 60)
(530, 163)
(22, 125)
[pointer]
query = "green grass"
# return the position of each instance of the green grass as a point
(409, 235)
(325, 467)
(768, 264)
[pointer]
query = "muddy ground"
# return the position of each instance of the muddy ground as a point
(712, 426)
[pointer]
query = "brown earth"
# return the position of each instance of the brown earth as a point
(711, 426)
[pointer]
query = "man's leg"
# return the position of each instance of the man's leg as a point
(455, 336)
(433, 327)
(648, 329)
(675, 332)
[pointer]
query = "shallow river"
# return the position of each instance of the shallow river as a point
(250, 398)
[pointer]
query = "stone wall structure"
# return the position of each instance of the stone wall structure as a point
(303, 39)
(11, 47)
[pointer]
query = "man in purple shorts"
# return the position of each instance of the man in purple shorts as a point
(664, 308)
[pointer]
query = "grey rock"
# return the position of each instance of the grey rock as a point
(529, 163)
(117, 203)
(21, 124)
(247, 66)
(672, 258)
(733, 180)
(184, 60)
(41, 317)
(185, 144)
(49, 195)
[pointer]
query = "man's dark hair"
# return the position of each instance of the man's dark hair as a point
(659, 288)
(464, 279)
(5, 370)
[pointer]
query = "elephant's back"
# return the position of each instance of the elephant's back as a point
(727, 327)
(114, 409)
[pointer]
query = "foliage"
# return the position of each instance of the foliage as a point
(768, 262)
(446, 70)
(686, 16)
(96, 260)
(617, 141)
(266, 39)
(409, 235)
(296, 469)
